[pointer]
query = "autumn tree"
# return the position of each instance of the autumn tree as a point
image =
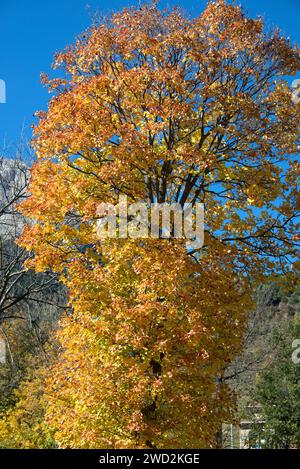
(163, 109)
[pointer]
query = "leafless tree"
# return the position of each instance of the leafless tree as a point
(25, 295)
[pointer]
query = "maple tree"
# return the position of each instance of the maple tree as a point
(162, 109)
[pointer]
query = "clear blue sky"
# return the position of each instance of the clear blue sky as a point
(31, 31)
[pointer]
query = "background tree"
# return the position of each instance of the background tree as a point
(30, 303)
(277, 394)
(162, 109)
(276, 308)
(20, 289)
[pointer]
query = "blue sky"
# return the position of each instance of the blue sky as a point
(32, 31)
